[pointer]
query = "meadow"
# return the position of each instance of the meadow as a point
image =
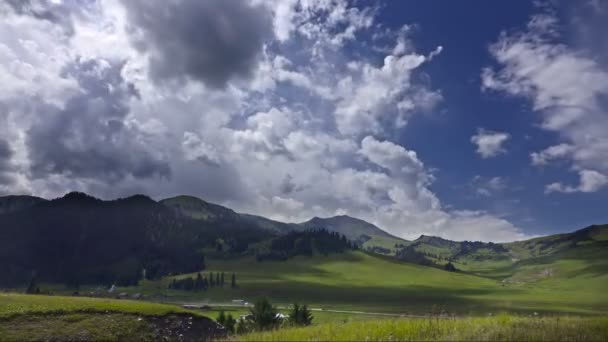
(360, 281)
(59, 318)
(499, 328)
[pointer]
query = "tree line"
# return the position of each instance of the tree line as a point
(202, 282)
(305, 243)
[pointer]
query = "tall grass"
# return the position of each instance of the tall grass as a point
(12, 304)
(499, 328)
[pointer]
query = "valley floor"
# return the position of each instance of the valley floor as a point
(362, 282)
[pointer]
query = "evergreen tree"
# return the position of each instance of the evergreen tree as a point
(300, 315)
(203, 266)
(205, 283)
(221, 319)
(198, 284)
(222, 280)
(305, 315)
(211, 279)
(31, 288)
(264, 315)
(233, 281)
(218, 279)
(230, 324)
(189, 284)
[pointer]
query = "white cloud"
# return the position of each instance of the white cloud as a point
(589, 181)
(551, 153)
(490, 143)
(305, 136)
(567, 87)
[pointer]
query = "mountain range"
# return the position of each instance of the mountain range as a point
(79, 238)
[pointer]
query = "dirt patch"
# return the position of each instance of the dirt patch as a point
(184, 327)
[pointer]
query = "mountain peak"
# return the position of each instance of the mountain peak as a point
(78, 196)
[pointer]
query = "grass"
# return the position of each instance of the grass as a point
(12, 304)
(359, 281)
(500, 328)
(76, 327)
(60, 318)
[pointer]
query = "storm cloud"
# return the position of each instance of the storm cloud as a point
(211, 41)
(5, 156)
(88, 137)
(53, 12)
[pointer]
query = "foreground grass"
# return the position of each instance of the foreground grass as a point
(75, 327)
(12, 304)
(60, 318)
(501, 328)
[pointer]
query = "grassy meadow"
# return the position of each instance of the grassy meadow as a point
(360, 281)
(498, 328)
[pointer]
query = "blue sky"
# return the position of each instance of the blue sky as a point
(471, 120)
(465, 31)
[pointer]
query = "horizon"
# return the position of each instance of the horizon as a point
(495, 131)
(159, 200)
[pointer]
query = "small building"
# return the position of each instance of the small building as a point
(238, 302)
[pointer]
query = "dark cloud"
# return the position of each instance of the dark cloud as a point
(5, 158)
(57, 13)
(287, 185)
(210, 40)
(88, 137)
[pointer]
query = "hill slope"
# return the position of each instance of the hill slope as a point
(9, 204)
(362, 232)
(374, 283)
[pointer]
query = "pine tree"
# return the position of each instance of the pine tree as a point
(198, 284)
(221, 319)
(233, 281)
(222, 280)
(264, 315)
(230, 324)
(31, 288)
(217, 279)
(211, 279)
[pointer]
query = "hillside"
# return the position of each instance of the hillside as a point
(56, 318)
(9, 204)
(373, 283)
(359, 231)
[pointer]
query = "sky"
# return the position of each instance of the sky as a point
(470, 120)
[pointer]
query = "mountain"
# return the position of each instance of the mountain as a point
(9, 204)
(506, 260)
(199, 209)
(79, 238)
(196, 208)
(359, 231)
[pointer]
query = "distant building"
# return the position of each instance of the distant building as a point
(239, 302)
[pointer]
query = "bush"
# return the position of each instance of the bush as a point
(264, 315)
(300, 315)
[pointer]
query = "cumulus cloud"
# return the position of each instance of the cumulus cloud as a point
(589, 181)
(89, 131)
(567, 87)
(211, 41)
(484, 186)
(490, 143)
(266, 112)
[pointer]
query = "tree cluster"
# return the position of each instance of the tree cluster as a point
(300, 315)
(227, 321)
(201, 282)
(304, 243)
